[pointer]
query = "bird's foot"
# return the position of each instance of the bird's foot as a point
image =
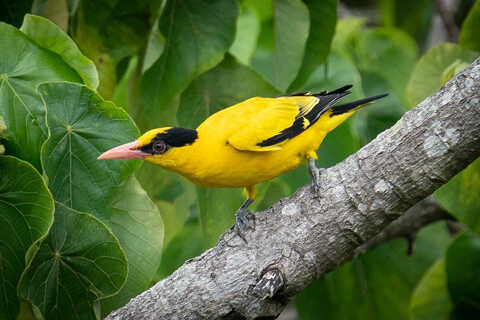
(315, 174)
(244, 220)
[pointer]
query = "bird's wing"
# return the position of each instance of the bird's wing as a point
(273, 118)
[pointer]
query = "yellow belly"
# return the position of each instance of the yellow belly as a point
(243, 169)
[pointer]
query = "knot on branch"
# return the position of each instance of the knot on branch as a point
(270, 283)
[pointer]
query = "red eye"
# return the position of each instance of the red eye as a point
(159, 146)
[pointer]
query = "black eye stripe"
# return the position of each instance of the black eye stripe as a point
(173, 137)
(178, 137)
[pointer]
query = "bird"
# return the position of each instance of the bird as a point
(248, 143)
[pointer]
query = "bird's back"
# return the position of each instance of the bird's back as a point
(231, 119)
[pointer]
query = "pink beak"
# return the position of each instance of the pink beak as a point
(125, 151)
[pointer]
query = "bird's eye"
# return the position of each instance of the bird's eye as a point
(159, 146)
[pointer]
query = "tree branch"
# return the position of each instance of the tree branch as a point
(306, 235)
(408, 224)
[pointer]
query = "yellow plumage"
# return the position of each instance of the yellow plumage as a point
(248, 143)
(226, 153)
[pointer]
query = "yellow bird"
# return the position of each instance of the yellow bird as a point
(248, 143)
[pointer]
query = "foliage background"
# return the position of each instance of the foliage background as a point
(80, 237)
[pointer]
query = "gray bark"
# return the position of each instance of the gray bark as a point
(408, 224)
(306, 235)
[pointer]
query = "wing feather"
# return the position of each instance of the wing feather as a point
(275, 121)
(279, 114)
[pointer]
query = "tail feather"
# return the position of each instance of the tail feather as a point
(340, 90)
(326, 101)
(346, 107)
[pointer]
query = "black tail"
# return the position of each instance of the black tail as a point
(342, 90)
(326, 101)
(342, 108)
(327, 97)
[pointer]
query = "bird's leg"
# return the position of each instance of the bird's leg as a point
(243, 219)
(315, 175)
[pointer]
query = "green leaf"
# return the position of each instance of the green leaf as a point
(452, 70)
(26, 311)
(383, 114)
(248, 29)
(279, 58)
(174, 196)
(47, 35)
(148, 118)
(136, 222)
(217, 211)
(122, 90)
(214, 91)
(124, 24)
(188, 243)
(82, 125)
(387, 10)
(463, 263)
(79, 262)
(23, 66)
(108, 31)
(428, 74)
(412, 16)
(391, 53)
(155, 46)
(263, 8)
(26, 215)
(468, 37)
(323, 19)
(77, 135)
(174, 215)
(188, 54)
(291, 24)
(345, 32)
(261, 60)
(461, 198)
(338, 71)
(377, 285)
(430, 300)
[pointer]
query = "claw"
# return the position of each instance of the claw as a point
(315, 175)
(244, 220)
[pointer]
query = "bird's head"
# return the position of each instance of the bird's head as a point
(157, 145)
